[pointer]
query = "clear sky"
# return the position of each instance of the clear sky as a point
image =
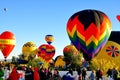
(31, 20)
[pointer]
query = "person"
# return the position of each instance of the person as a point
(92, 75)
(56, 76)
(99, 74)
(42, 74)
(49, 73)
(14, 75)
(79, 73)
(1, 73)
(36, 74)
(84, 73)
(109, 73)
(28, 74)
(114, 73)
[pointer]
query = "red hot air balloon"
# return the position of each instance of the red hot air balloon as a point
(46, 51)
(7, 43)
(118, 17)
(89, 31)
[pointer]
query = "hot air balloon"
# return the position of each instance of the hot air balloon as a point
(88, 31)
(5, 9)
(70, 48)
(118, 17)
(29, 48)
(49, 39)
(7, 43)
(46, 51)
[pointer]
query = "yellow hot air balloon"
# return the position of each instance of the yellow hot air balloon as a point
(28, 48)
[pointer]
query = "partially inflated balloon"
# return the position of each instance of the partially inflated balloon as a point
(118, 17)
(29, 47)
(7, 43)
(88, 31)
(49, 38)
(70, 48)
(46, 51)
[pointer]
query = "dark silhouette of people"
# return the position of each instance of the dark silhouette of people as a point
(28, 74)
(84, 73)
(99, 74)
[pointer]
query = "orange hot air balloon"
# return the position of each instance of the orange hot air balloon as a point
(118, 17)
(7, 43)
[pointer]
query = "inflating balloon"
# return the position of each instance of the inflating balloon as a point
(70, 48)
(46, 51)
(118, 17)
(29, 47)
(7, 43)
(88, 31)
(49, 38)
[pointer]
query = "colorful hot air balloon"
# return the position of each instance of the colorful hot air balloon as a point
(46, 51)
(49, 38)
(7, 43)
(69, 49)
(88, 31)
(118, 17)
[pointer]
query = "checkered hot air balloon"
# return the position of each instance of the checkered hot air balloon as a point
(88, 31)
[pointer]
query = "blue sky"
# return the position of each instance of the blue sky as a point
(31, 20)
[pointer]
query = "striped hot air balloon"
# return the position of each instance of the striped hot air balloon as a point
(88, 31)
(7, 43)
(49, 39)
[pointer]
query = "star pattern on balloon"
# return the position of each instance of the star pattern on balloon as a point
(112, 51)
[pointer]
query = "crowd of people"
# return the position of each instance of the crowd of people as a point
(53, 74)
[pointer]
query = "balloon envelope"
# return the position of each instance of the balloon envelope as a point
(29, 47)
(70, 48)
(46, 51)
(49, 38)
(88, 31)
(7, 43)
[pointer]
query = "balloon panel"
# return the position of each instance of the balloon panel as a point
(7, 43)
(88, 31)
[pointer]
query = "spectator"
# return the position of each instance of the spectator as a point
(99, 74)
(109, 73)
(84, 73)
(28, 74)
(36, 74)
(1, 73)
(14, 75)
(92, 75)
(114, 73)
(56, 76)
